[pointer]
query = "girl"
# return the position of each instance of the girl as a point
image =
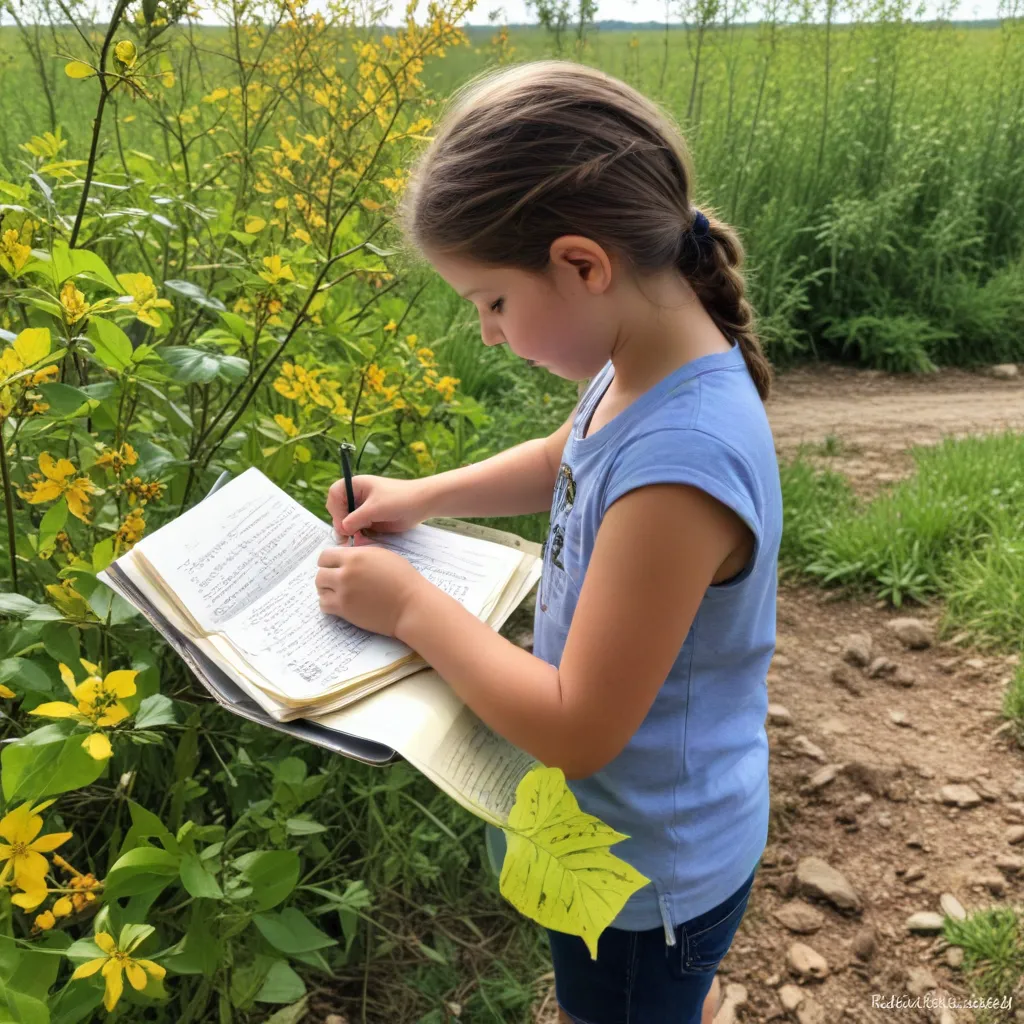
(557, 199)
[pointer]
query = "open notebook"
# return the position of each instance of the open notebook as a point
(229, 584)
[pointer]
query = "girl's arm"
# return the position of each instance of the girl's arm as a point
(644, 583)
(512, 483)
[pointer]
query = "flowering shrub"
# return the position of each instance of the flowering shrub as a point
(163, 318)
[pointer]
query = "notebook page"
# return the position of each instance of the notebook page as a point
(477, 767)
(472, 571)
(233, 548)
(306, 654)
(422, 718)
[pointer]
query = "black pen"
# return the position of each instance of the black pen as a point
(346, 471)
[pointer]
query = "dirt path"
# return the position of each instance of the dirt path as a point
(872, 419)
(860, 756)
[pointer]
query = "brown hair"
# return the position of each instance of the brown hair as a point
(531, 152)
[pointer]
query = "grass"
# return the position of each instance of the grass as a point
(993, 945)
(881, 211)
(951, 531)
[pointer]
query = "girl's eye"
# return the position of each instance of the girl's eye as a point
(496, 306)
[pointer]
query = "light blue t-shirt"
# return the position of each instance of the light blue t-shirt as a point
(690, 789)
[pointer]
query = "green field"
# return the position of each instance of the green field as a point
(184, 271)
(875, 169)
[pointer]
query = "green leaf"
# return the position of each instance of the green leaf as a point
(61, 642)
(293, 1014)
(155, 710)
(282, 985)
(46, 762)
(66, 401)
(197, 880)
(102, 554)
(200, 952)
(16, 192)
(65, 263)
(196, 294)
(146, 825)
(200, 366)
(292, 932)
(83, 261)
(52, 523)
(25, 674)
(16, 605)
(140, 870)
(237, 326)
(271, 873)
(303, 827)
(110, 344)
(154, 458)
(558, 868)
(107, 605)
(24, 1009)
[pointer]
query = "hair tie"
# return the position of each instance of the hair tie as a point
(696, 242)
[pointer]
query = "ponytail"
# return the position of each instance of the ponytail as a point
(711, 260)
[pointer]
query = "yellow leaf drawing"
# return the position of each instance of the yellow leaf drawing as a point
(78, 69)
(558, 870)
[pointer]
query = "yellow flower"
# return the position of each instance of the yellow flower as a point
(291, 152)
(98, 704)
(131, 530)
(45, 921)
(6, 692)
(22, 854)
(299, 384)
(375, 377)
(13, 255)
(119, 958)
(141, 492)
(57, 481)
(85, 887)
(286, 424)
(391, 326)
(126, 53)
(31, 345)
(276, 270)
(144, 302)
(446, 387)
(118, 458)
(72, 303)
(63, 907)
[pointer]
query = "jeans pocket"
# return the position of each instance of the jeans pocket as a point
(704, 941)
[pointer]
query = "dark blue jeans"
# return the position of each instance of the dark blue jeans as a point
(637, 977)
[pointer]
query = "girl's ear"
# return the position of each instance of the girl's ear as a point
(585, 259)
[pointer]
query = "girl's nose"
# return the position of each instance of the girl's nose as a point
(491, 337)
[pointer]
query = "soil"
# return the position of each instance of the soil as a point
(932, 719)
(870, 421)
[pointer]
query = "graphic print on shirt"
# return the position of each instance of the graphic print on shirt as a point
(565, 495)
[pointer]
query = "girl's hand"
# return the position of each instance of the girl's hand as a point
(367, 585)
(383, 504)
